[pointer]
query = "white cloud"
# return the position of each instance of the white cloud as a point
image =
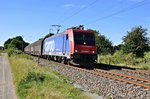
(68, 5)
(72, 5)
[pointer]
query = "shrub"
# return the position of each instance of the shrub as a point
(27, 83)
(147, 55)
(37, 82)
(118, 57)
(13, 52)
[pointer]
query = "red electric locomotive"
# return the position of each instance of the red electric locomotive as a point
(83, 45)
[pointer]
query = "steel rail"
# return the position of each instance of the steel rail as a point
(112, 75)
(109, 75)
(122, 75)
(137, 71)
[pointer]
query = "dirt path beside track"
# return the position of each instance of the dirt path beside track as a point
(7, 90)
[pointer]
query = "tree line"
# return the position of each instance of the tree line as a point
(135, 42)
(16, 43)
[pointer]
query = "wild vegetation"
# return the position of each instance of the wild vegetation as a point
(133, 52)
(129, 60)
(104, 45)
(16, 43)
(135, 42)
(36, 82)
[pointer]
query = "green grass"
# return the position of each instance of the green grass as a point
(36, 82)
(143, 66)
(129, 60)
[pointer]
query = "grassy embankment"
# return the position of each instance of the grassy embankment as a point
(129, 60)
(36, 82)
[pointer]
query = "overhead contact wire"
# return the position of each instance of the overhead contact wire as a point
(118, 12)
(79, 11)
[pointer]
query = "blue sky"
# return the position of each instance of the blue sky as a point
(32, 19)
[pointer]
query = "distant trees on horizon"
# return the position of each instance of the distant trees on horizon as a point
(135, 42)
(15, 43)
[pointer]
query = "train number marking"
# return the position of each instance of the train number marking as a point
(50, 46)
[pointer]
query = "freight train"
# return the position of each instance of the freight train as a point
(75, 45)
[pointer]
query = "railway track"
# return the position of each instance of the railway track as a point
(126, 78)
(145, 83)
(142, 72)
(102, 83)
(137, 81)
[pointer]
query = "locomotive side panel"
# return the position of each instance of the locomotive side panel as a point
(56, 45)
(69, 32)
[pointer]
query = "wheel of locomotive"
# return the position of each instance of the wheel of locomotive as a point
(68, 62)
(48, 57)
(56, 58)
(59, 59)
(63, 60)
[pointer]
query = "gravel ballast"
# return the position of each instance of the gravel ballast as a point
(102, 86)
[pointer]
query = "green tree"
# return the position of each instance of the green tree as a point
(15, 43)
(117, 47)
(104, 45)
(136, 41)
(6, 44)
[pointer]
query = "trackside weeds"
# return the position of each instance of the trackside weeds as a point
(40, 82)
(36, 82)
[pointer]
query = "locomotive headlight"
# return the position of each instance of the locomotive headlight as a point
(93, 52)
(76, 50)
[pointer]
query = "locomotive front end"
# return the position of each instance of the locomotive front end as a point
(84, 46)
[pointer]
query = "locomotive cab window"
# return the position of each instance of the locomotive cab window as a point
(84, 38)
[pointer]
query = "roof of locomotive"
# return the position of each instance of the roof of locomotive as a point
(81, 31)
(55, 35)
(74, 30)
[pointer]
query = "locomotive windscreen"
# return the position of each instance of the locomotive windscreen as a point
(84, 38)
